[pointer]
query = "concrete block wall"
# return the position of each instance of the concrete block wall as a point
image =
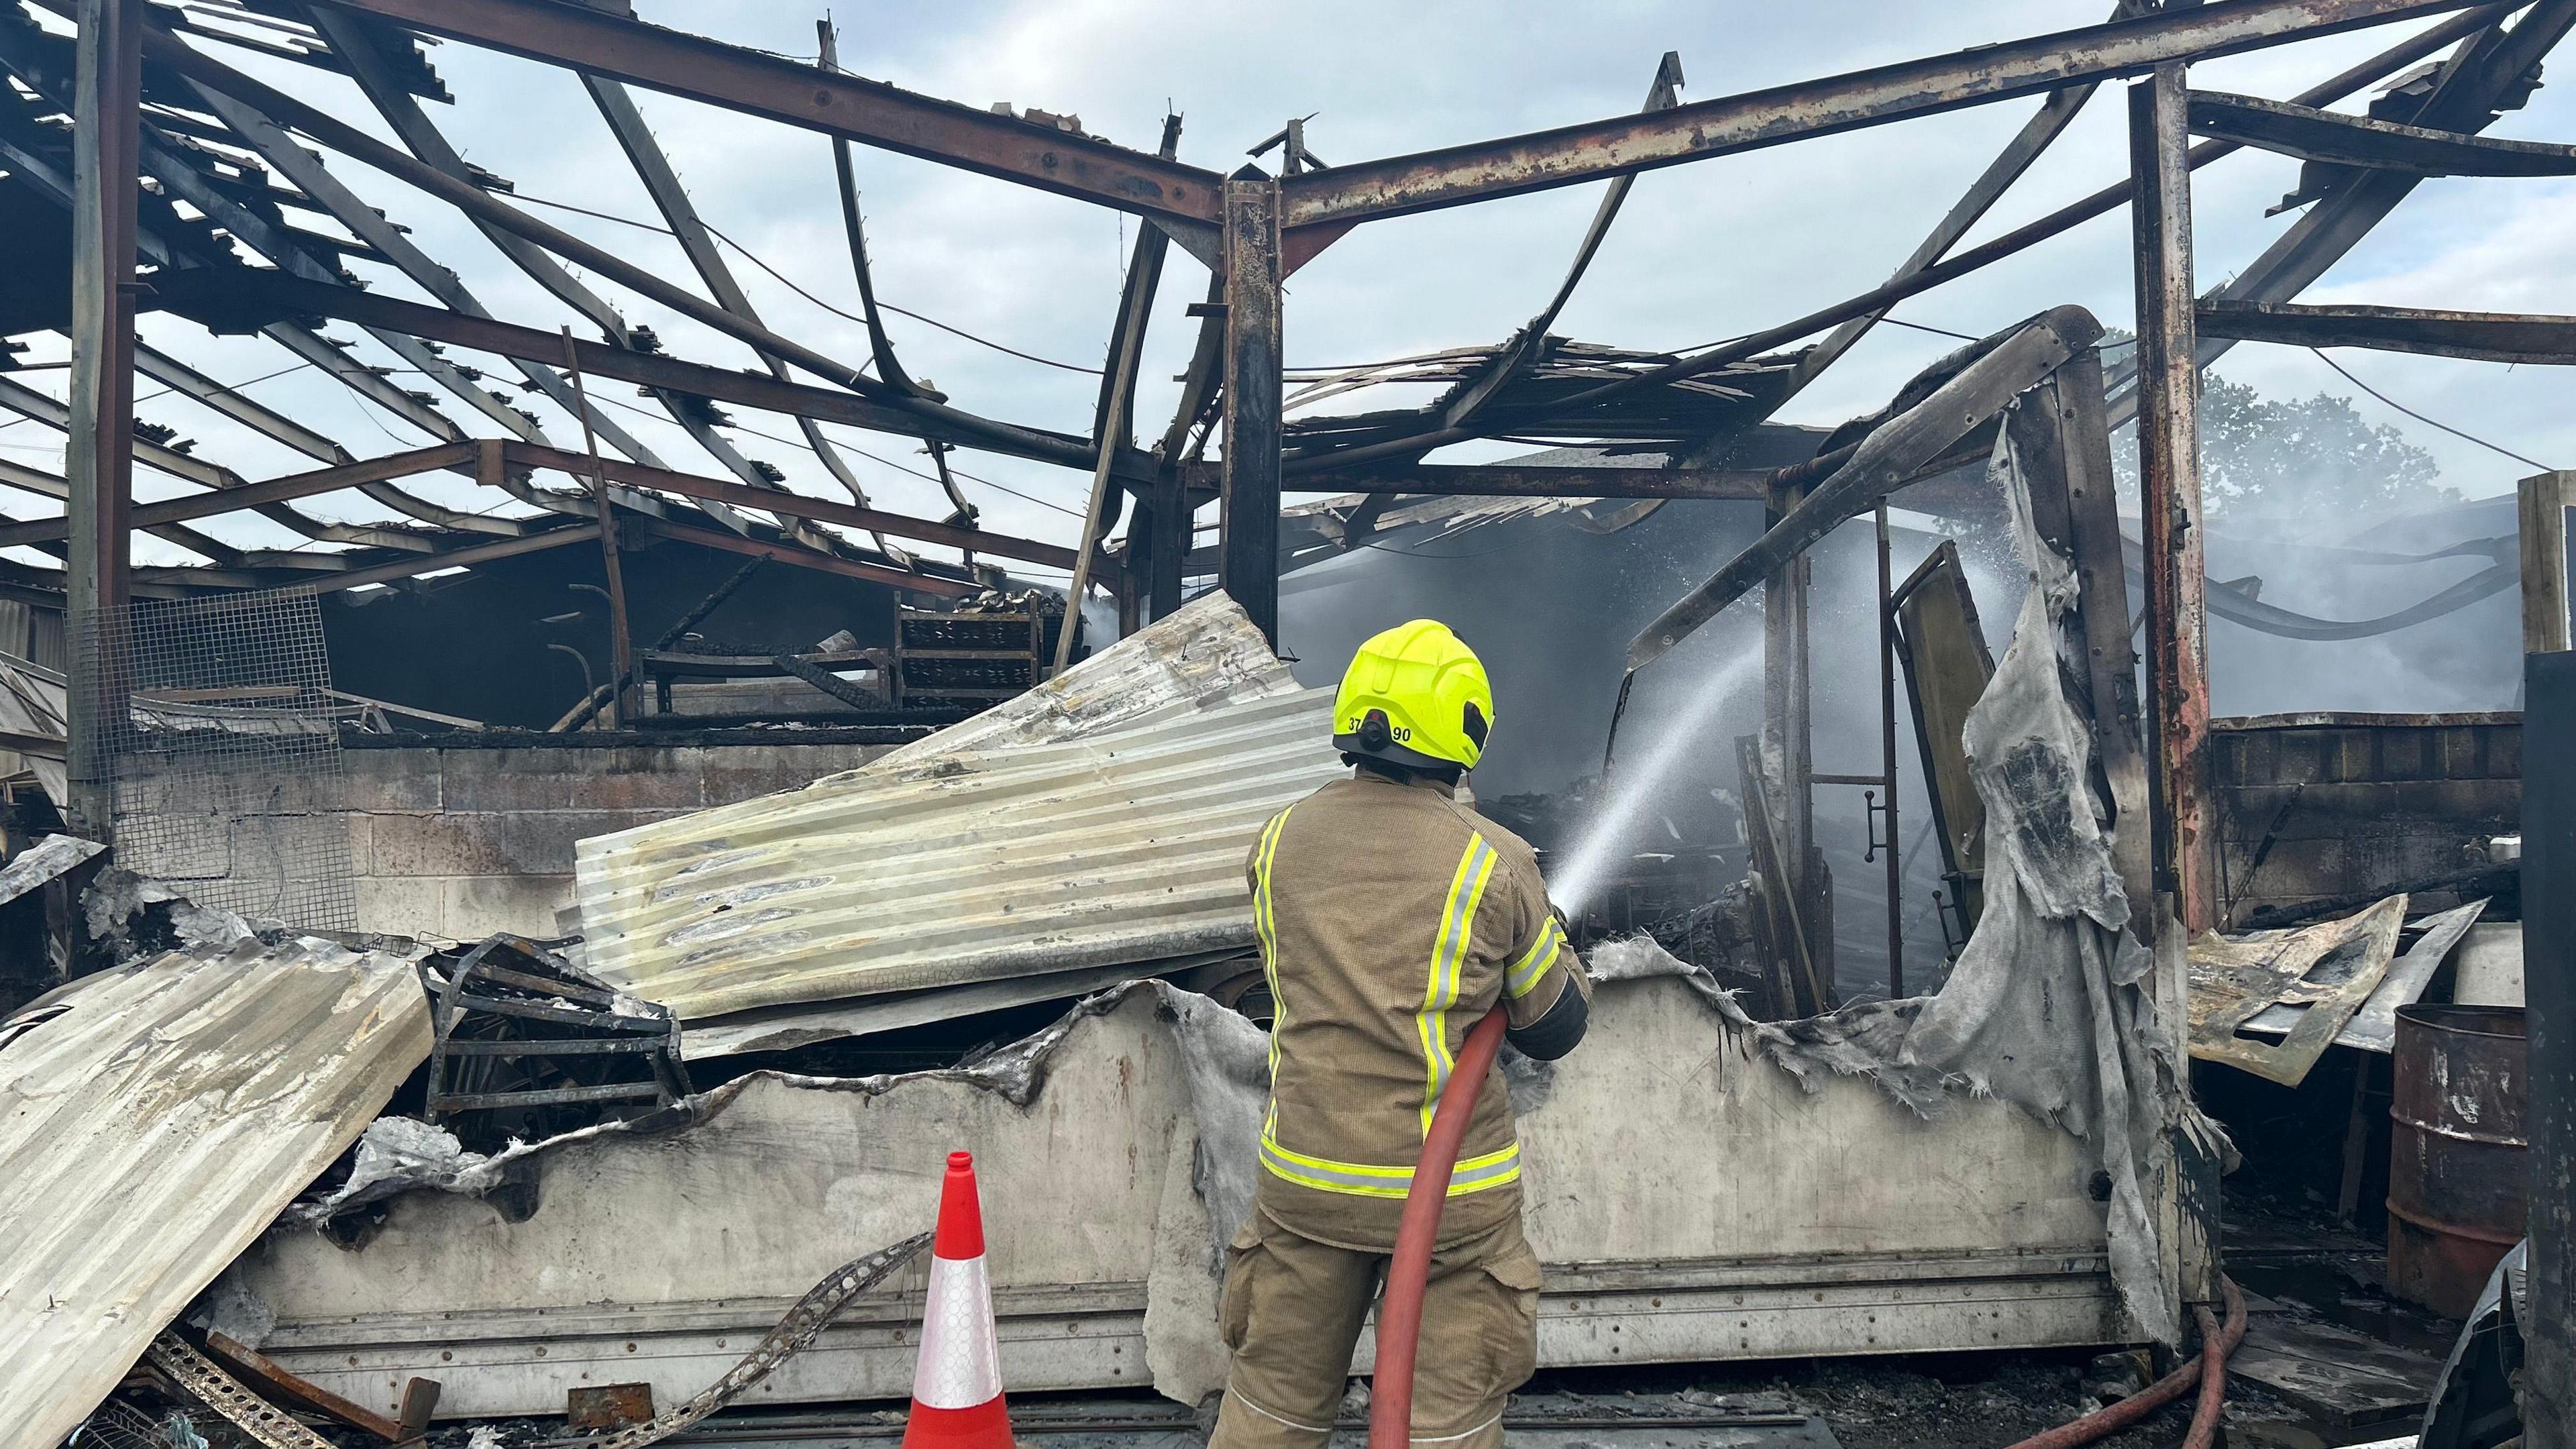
(2337, 804)
(460, 843)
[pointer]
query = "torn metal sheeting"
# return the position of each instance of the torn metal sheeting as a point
(1204, 654)
(2374, 1027)
(2325, 973)
(34, 705)
(47, 859)
(964, 867)
(154, 1126)
(1098, 820)
(784, 1028)
(1693, 1202)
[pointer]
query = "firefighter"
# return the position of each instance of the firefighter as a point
(1391, 919)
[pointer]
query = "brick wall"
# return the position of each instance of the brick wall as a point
(2319, 805)
(460, 843)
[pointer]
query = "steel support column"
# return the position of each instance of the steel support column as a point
(2169, 469)
(1789, 737)
(98, 461)
(1253, 387)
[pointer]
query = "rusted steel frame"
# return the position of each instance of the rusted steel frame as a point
(1514, 481)
(845, 175)
(484, 334)
(282, 429)
(801, 557)
(2022, 238)
(1145, 277)
(1168, 487)
(1879, 464)
(1253, 388)
(1109, 424)
(252, 495)
(1112, 420)
(184, 180)
(232, 403)
(2063, 447)
(28, 403)
(2336, 139)
(345, 206)
(782, 90)
(1621, 144)
(493, 463)
(688, 485)
(1788, 724)
(181, 175)
(2480, 74)
(2035, 136)
(474, 553)
(644, 152)
(2481, 336)
(2177, 604)
(419, 135)
(357, 377)
(358, 145)
(1454, 420)
(277, 1382)
(98, 460)
(1662, 94)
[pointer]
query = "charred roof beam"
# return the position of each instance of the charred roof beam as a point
(2477, 336)
(2108, 199)
(1981, 387)
(2489, 70)
(2025, 148)
(269, 292)
(1569, 154)
(2335, 139)
(429, 146)
(307, 171)
(653, 168)
(355, 143)
(869, 112)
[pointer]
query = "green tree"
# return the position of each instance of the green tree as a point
(2311, 460)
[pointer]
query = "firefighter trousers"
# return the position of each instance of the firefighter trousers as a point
(1292, 1312)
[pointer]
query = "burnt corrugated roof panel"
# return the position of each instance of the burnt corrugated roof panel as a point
(958, 867)
(152, 1124)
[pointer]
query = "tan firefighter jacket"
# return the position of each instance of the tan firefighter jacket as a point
(1392, 919)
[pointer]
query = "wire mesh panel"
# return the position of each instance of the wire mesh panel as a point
(224, 763)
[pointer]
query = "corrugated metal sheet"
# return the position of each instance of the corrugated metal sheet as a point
(965, 866)
(152, 1124)
(1201, 655)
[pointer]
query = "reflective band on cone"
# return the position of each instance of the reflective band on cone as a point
(957, 1389)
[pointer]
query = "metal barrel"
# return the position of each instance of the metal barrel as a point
(2456, 1171)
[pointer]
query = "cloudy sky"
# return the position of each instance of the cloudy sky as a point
(1702, 252)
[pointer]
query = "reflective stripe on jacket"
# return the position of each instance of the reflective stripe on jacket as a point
(1391, 919)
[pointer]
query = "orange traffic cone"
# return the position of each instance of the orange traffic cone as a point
(957, 1390)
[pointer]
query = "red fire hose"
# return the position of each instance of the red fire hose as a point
(2208, 1370)
(1399, 1314)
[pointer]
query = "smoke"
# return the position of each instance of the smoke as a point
(1610, 835)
